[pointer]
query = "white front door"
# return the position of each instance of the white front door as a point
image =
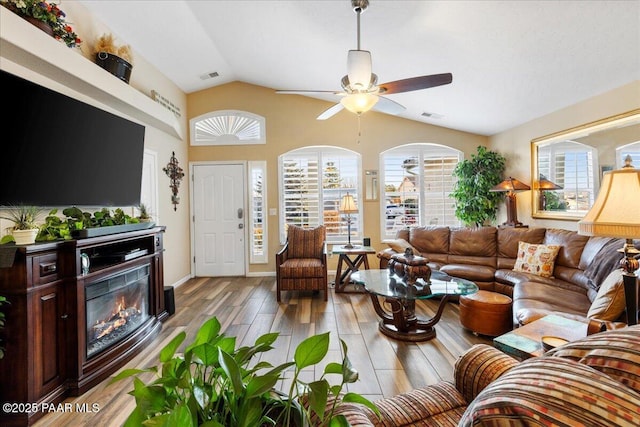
(219, 220)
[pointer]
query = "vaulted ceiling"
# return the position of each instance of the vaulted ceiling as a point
(512, 61)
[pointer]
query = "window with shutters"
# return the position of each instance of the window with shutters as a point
(571, 165)
(417, 180)
(312, 182)
(257, 215)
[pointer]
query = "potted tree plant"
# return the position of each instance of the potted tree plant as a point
(25, 229)
(474, 202)
(117, 60)
(215, 384)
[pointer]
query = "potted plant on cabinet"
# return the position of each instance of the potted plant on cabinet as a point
(25, 229)
(215, 384)
(117, 60)
(475, 204)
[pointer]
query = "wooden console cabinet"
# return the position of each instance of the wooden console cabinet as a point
(44, 334)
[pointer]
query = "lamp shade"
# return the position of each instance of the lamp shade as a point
(545, 184)
(347, 204)
(511, 184)
(616, 211)
(359, 103)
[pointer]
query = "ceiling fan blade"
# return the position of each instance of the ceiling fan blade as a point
(359, 69)
(416, 83)
(309, 92)
(330, 112)
(385, 105)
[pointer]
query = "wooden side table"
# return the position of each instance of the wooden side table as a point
(524, 342)
(353, 259)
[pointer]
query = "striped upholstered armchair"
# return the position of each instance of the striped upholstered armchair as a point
(594, 381)
(301, 265)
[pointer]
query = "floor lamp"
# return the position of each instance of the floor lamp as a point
(616, 213)
(511, 185)
(348, 206)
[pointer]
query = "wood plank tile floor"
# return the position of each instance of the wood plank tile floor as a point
(247, 308)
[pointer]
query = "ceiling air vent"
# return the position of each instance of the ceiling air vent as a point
(209, 75)
(432, 115)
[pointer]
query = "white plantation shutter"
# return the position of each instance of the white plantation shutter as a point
(257, 212)
(312, 182)
(417, 180)
(572, 166)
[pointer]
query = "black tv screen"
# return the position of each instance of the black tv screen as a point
(59, 152)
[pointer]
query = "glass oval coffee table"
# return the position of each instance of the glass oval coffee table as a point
(399, 320)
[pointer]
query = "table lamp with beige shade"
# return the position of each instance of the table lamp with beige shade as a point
(616, 213)
(511, 186)
(348, 206)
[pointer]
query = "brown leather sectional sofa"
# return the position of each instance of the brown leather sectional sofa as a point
(486, 255)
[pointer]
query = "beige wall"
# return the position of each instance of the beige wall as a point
(291, 123)
(515, 144)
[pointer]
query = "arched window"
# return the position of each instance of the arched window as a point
(416, 181)
(312, 181)
(633, 150)
(228, 127)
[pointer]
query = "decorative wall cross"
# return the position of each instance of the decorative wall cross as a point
(175, 174)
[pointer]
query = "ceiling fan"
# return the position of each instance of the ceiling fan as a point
(361, 91)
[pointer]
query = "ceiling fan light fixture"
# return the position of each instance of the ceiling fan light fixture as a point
(359, 103)
(359, 69)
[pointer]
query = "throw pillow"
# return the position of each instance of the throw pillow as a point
(609, 303)
(536, 259)
(400, 245)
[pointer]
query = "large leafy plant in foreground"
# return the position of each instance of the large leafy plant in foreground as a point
(213, 384)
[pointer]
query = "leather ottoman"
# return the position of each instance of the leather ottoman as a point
(486, 313)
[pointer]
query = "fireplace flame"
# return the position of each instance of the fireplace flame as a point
(117, 319)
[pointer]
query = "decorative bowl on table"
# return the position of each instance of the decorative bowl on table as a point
(551, 342)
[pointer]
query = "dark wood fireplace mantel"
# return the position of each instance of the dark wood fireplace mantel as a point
(45, 329)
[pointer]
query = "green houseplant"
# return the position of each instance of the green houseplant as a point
(474, 203)
(25, 228)
(214, 384)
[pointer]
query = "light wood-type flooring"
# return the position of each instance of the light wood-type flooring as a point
(247, 308)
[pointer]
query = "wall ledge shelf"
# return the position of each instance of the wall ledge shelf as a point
(27, 46)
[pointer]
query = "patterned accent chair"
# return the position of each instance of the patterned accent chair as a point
(594, 381)
(301, 265)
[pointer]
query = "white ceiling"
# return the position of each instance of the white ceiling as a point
(512, 61)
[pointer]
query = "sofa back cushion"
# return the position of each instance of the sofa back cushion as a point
(430, 240)
(473, 246)
(571, 246)
(615, 353)
(305, 243)
(508, 238)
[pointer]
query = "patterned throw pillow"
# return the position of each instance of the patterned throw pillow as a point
(609, 304)
(536, 259)
(305, 242)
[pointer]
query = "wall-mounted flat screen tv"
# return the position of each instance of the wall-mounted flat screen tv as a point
(58, 152)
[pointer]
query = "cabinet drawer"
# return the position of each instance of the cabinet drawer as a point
(45, 268)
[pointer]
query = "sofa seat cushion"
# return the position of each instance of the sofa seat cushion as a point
(510, 277)
(533, 300)
(301, 267)
(475, 273)
(545, 391)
